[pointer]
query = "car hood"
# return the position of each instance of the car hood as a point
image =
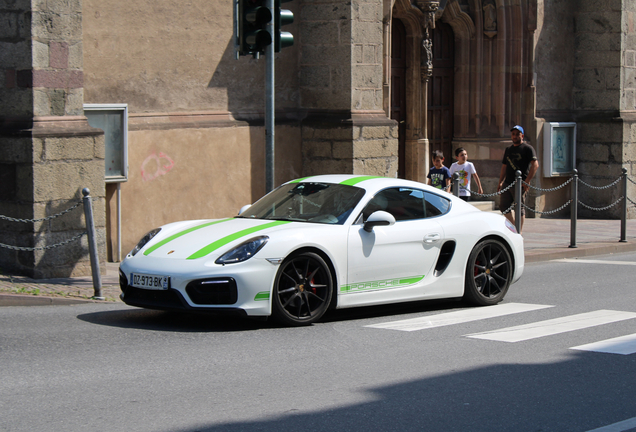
(192, 240)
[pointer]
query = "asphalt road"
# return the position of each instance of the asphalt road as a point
(101, 367)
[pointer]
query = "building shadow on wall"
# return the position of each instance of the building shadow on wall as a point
(244, 82)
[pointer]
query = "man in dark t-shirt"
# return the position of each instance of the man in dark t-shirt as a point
(519, 156)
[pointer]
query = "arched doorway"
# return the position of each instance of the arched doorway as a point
(398, 88)
(441, 91)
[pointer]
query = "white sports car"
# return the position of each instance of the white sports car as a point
(332, 241)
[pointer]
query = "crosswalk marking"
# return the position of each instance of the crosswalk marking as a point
(584, 261)
(624, 345)
(554, 326)
(622, 426)
(458, 317)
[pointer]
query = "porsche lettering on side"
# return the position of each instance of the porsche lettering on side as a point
(323, 242)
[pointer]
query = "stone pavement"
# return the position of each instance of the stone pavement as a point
(545, 239)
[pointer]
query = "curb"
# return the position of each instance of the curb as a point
(31, 300)
(582, 250)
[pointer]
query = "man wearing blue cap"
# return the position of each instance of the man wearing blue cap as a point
(519, 156)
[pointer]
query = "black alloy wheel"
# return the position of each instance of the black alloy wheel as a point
(302, 289)
(488, 273)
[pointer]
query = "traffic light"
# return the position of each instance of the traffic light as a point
(282, 17)
(253, 17)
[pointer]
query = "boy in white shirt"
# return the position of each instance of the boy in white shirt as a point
(466, 171)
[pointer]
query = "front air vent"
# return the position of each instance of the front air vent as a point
(217, 291)
(445, 256)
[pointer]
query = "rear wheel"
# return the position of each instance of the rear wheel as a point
(302, 289)
(488, 273)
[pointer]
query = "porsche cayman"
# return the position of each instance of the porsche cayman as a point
(324, 242)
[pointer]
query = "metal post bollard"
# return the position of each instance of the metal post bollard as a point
(574, 208)
(456, 184)
(518, 192)
(92, 244)
(624, 209)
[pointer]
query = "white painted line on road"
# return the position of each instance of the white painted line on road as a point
(584, 261)
(617, 427)
(624, 345)
(554, 326)
(458, 317)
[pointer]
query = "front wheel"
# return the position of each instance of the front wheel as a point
(488, 273)
(302, 289)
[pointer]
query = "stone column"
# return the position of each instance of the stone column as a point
(49, 152)
(346, 129)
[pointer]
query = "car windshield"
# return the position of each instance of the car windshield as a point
(307, 202)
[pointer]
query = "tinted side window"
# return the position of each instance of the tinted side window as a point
(402, 203)
(436, 205)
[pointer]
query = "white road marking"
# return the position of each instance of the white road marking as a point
(624, 345)
(554, 326)
(584, 261)
(458, 317)
(617, 427)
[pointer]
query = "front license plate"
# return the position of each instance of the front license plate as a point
(152, 282)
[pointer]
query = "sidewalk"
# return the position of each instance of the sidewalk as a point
(545, 239)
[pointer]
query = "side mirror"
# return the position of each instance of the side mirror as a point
(245, 207)
(378, 218)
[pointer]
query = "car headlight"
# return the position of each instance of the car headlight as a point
(144, 240)
(244, 251)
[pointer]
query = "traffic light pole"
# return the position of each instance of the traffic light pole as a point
(269, 106)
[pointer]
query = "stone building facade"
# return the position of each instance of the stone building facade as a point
(369, 87)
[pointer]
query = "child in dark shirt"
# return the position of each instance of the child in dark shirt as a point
(439, 176)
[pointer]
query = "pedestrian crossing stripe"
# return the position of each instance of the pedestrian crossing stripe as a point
(588, 261)
(458, 317)
(554, 326)
(624, 345)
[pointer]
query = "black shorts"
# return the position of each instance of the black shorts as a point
(507, 199)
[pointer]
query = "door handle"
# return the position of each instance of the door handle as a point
(432, 238)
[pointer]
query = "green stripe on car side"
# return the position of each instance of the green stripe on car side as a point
(182, 233)
(356, 180)
(263, 295)
(381, 284)
(230, 238)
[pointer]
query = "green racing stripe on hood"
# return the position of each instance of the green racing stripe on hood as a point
(182, 233)
(356, 180)
(230, 238)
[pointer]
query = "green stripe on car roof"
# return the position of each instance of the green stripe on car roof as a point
(182, 233)
(230, 238)
(300, 179)
(356, 180)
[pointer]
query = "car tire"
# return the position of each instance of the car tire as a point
(302, 289)
(488, 273)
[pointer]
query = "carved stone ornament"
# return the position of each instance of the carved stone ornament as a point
(490, 19)
(428, 7)
(427, 57)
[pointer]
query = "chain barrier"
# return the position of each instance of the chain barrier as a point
(87, 202)
(30, 249)
(492, 194)
(548, 212)
(631, 181)
(617, 181)
(601, 208)
(62, 213)
(548, 190)
(509, 209)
